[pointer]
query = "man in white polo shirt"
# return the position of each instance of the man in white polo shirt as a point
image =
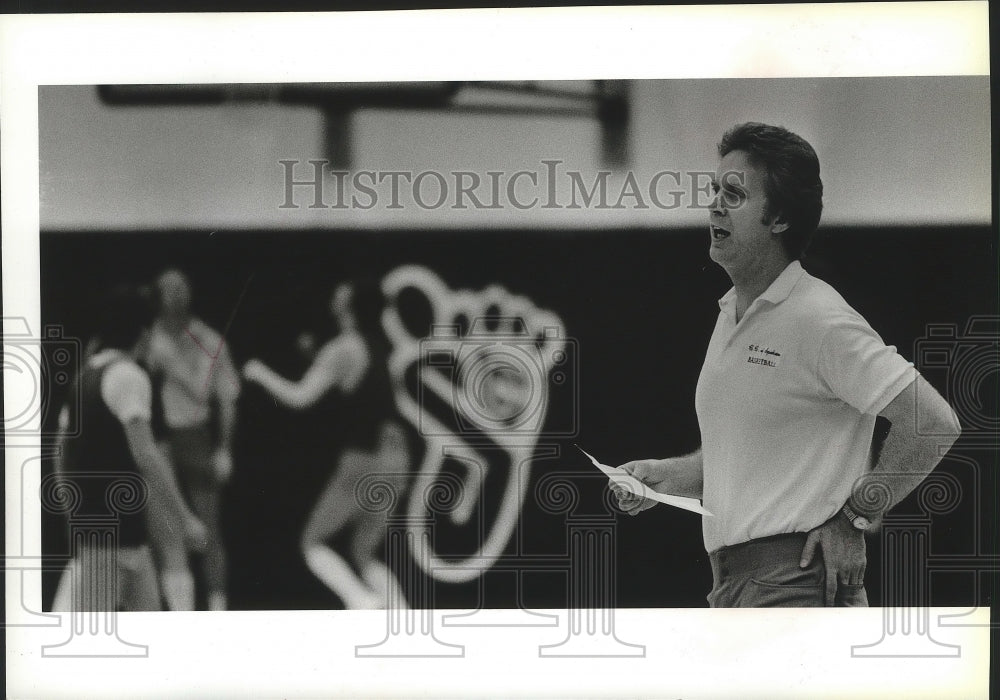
(792, 383)
(199, 385)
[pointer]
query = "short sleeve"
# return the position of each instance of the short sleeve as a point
(127, 392)
(859, 368)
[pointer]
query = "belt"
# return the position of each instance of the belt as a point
(752, 555)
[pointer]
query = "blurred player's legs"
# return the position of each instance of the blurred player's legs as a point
(123, 579)
(330, 568)
(364, 582)
(335, 509)
(392, 462)
(380, 579)
(177, 586)
(191, 452)
(171, 554)
(137, 587)
(63, 601)
(205, 504)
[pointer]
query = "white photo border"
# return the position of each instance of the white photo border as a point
(689, 653)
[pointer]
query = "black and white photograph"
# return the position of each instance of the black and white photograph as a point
(459, 364)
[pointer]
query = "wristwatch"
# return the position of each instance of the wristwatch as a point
(859, 522)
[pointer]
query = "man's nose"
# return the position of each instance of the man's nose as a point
(718, 205)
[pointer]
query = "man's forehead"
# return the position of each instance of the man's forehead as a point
(738, 166)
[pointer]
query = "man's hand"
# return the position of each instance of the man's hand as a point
(253, 370)
(650, 472)
(195, 533)
(843, 548)
(222, 464)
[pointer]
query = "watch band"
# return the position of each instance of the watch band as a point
(860, 522)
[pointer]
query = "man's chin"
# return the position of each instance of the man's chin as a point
(720, 258)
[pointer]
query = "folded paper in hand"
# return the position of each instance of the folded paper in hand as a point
(622, 478)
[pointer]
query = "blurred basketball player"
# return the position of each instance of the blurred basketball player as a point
(350, 372)
(198, 396)
(115, 406)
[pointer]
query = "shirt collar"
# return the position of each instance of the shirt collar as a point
(777, 292)
(728, 299)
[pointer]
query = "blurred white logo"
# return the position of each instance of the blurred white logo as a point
(475, 374)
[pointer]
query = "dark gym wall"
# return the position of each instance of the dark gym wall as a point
(639, 304)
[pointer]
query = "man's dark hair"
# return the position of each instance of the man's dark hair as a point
(123, 313)
(793, 187)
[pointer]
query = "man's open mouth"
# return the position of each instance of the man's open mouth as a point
(718, 233)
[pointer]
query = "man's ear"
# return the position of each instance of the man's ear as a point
(778, 224)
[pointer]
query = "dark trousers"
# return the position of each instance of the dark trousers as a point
(765, 573)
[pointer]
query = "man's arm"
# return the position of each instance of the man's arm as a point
(677, 476)
(222, 458)
(227, 391)
(923, 428)
(298, 395)
(227, 421)
(159, 476)
(330, 369)
(172, 526)
(170, 552)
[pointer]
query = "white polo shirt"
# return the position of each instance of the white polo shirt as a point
(786, 402)
(205, 355)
